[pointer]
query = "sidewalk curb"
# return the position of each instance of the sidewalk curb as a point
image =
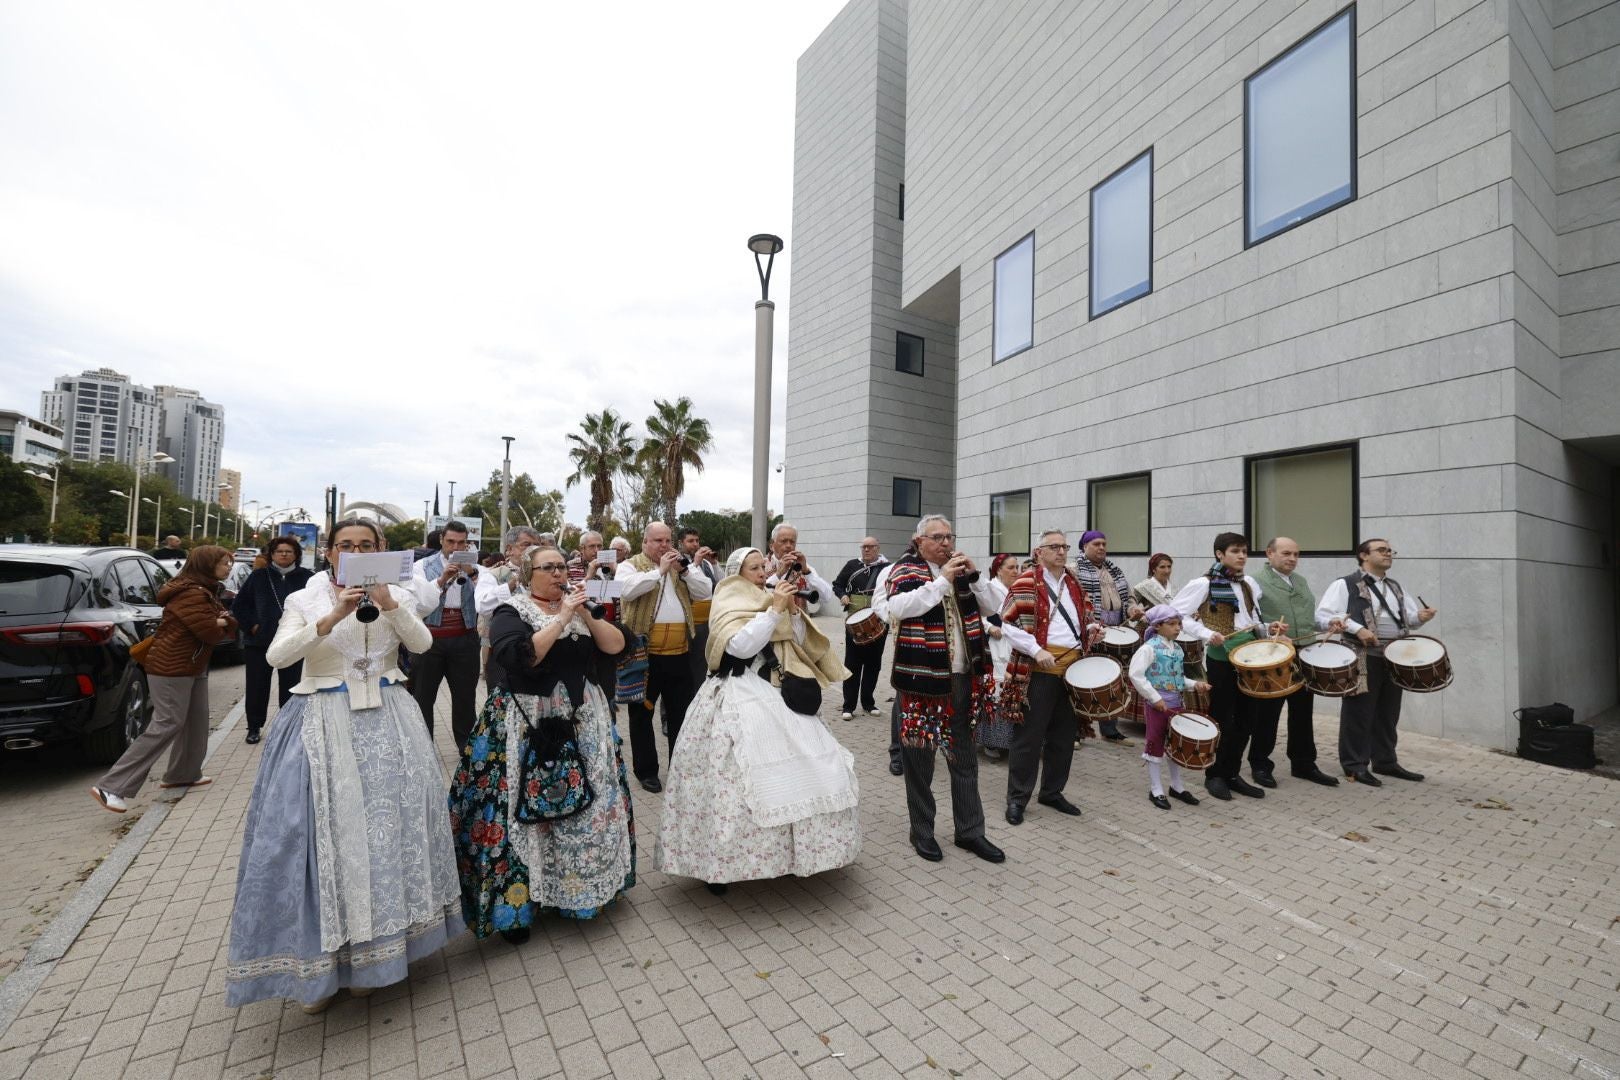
(64, 930)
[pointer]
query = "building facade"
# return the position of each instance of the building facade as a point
(28, 441)
(230, 490)
(104, 416)
(1302, 268)
(194, 436)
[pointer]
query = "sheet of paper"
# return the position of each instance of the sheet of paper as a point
(599, 590)
(374, 568)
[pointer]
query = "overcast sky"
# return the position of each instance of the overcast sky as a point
(382, 236)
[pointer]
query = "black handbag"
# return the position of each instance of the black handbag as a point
(552, 781)
(802, 695)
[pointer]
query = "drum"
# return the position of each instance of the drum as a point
(865, 627)
(1098, 687)
(1120, 642)
(1330, 669)
(1265, 668)
(1192, 650)
(1192, 740)
(1418, 663)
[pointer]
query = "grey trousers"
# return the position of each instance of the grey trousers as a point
(967, 811)
(179, 724)
(1044, 742)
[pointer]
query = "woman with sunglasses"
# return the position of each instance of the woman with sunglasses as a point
(540, 806)
(347, 871)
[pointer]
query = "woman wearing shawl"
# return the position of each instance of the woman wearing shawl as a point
(755, 789)
(1155, 589)
(995, 736)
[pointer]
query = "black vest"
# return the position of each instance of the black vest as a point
(1364, 608)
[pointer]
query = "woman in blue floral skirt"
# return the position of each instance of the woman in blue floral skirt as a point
(540, 807)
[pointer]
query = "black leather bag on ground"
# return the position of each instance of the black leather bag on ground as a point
(1555, 715)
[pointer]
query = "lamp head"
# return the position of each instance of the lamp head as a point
(160, 456)
(115, 491)
(764, 244)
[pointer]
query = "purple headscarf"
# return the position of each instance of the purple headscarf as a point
(1161, 613)
(1091, 534)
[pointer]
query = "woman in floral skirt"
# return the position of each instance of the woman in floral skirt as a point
(529, 839)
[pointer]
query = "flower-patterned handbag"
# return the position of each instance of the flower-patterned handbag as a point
(552, 782)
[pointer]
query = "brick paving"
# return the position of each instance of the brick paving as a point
(1467, 926)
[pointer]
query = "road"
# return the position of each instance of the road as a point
(52, 836)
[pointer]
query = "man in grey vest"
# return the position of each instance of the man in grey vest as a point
(1285, 596)
(447, 591)
(1374, 608)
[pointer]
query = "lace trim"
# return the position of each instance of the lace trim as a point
(369, 955)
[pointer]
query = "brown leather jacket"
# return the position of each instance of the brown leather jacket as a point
(189, 631)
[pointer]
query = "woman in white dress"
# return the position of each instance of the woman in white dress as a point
(755, 789)
(348, 871)
(995, 736)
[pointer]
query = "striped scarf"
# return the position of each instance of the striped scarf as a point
(922, 661)
(1030, 606)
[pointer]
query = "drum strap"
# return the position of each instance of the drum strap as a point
(1061, 610)
(1396, 617)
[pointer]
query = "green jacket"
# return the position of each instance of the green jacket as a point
(1294, 603)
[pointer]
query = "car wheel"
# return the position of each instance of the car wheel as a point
(107, 745)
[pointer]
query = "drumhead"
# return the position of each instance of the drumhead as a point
(1090, 672)
(869, 613)
(1414, 651)
(1261, 654)
(1187, 637)
(1120, 635)
(1194, 726)
(1327, 654)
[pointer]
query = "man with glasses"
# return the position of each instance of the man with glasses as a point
(1372, 606)
(1049, 622)
(448, 592)
(854, 586)
(497, 585)
(944, 680)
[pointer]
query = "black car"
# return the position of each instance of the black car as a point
(68, 616)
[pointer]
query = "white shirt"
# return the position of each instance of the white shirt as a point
(909, 605)
(756, 634)
(428, 594)
(1058, 634)
(490, 592)
(1195, 592)
(880, 593)
(635, 583)
(1335, 604)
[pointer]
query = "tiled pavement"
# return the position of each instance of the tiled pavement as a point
(1466, 926)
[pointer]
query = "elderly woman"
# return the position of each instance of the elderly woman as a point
(995, 737)
(757, 789)
(540, 805)
(258, 607)
(347, 871)
(1155, 589)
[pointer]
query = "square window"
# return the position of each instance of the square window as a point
(1308, 495)
(908, 353)
(1299, 131)
(907, 498)
(1122, 236)
(1009, 523)
(1121, 507)
(1015, 299)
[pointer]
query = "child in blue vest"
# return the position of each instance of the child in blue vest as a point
(1157, 674)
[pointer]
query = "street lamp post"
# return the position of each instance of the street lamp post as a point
(763, 244)
(192, 514)
(452, 506)
(241, 520)
(129, 514)
(157, 519)
(425, 505)
(53, 476)
(506, 484)
(159, 458)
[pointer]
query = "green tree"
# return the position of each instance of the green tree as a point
(24, 502)
(603, 446)
(530, 506)
(406, 534)
(675, 440)
(725, 530)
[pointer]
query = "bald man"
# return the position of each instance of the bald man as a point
(1285, 596)
(854, 587)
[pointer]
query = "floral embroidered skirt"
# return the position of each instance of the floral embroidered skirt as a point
(511, 871)
(347, 872)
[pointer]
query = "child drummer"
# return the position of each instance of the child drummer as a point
(1158, 674)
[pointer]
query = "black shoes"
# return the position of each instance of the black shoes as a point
(1243, 787)
(253, 737)
(1159, 800)
(1113, 736)
(1015, 813)
(516, 936)
(1217, 787)
(716, 887)
(1362, 776)
(1184, 796)
(1264, 778)
(1397, 772)
(895, 768)
(981, 847)
(929, 849)
(1316, 776)
(1060, 804)
(652, 784)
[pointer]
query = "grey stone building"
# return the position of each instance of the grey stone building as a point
(1331, 271)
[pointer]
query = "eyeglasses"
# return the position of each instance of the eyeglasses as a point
(350, 545)
(552, 568)
(940, 538)
(1056, 547)
(1383, 551)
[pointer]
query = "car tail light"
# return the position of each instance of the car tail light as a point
(86, 687)
(61, 634)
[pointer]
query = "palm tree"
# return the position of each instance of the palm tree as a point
(602, 447)
(675, 439)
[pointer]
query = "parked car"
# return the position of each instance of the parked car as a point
(68, 616)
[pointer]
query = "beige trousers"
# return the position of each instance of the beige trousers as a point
(179, 723)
